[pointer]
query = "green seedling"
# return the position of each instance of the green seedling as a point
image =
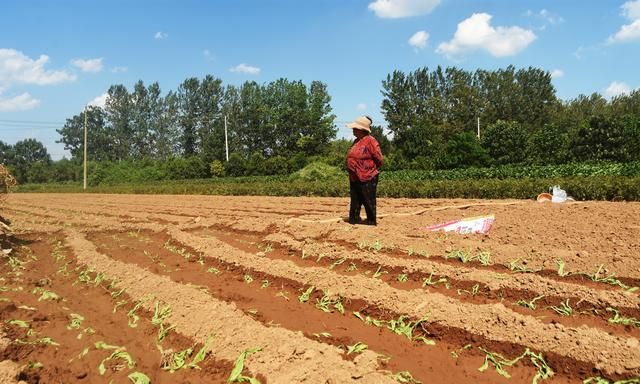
(352, 267)
(139, 378)
(369, 320)
(202, 353)
(236, 374)
(617, 319)
(462, 255)
(75, 322)
(248, 279)
(515, 266)
(322, 334)
(356, 348)
(160, 313)
(611, 279)
(362, 244)
(429, 281)
(379, 272)
(410, 252)
(483, 257)
(456, 354)
(561, 271)
(404, 377)
(103, 345)
(118, 305)
(324, 302)
(19, 323)
(600, 380)
(403, 278)
(117, 355)
(306, 295)
(46, 295)
(563, 310)
(400, 327)
(265, 284)
(215, 271)
(376, 246)
(116, 294)
(544, 371)
(337, 262)
(176, 360)
(530, 304)
(474, 290)
(162, 332)
(133, 318)
(34, 365)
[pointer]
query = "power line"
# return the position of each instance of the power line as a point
(40, 122)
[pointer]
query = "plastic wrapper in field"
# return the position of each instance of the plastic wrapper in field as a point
(478, 224)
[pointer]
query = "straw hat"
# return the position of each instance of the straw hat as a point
(363, 123)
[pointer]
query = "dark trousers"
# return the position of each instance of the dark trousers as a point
(363, 193)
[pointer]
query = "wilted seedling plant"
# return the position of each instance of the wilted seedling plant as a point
(248, 279)
(561, 272)
(530, 304)
(236, 374)
(563, 310)
(406, 328)
(337, 262)
(75, 322)
(404, 377)
(119, 354)
(306, 295)
(474, 290)
(356, 348)
(379, 272)
(544, 371)
(617, 319)
(429, 281)
(611, 279)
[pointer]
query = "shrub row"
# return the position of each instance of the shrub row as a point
(580, 188)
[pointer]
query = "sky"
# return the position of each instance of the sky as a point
(58, 56)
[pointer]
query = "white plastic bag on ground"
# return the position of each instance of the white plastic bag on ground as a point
(559, 195)
(478, 224)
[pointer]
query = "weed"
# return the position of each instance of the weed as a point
(530, 304)
(236, 374)
(356, 348)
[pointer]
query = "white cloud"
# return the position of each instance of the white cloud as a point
(631, 10)
(99, 101)
(557, 73)
(21, 102)
(616, 89)
(394, 9)
(160, 35)
(119, 69)
(90, 65)
(17, 68)
(476, 32)
(550, 17)
(244, 68)
(361, 106)
(419, 40)
(628, 32)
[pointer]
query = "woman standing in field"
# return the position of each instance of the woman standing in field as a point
(363, 161)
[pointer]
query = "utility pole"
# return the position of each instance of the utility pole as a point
(478, 127)
(226, 142)
(84, 185)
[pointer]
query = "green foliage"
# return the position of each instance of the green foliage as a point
(216, 168)
(505, 142)
(318, 171)
(462, 151)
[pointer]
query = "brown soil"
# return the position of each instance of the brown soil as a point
(235, 267)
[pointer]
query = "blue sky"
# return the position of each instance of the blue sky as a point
(56, 56)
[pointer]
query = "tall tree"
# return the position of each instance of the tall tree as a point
(100, 141)
(189, 115)
(119, 114)
(211, 127)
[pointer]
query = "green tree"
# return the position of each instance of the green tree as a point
(602, 138)
(119, 114)
(188, 107)
(25, 154)
(505, 142)
(100, 138)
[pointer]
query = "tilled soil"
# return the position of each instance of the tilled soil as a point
(317, 299)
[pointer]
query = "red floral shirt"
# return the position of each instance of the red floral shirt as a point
(363, 159)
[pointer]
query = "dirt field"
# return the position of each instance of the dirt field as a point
(100, 288)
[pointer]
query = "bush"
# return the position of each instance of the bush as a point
(463, 150)
(505, 142)
(236, 166)
(216, 168)
(318, 171)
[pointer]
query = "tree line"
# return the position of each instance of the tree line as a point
(276, 128)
